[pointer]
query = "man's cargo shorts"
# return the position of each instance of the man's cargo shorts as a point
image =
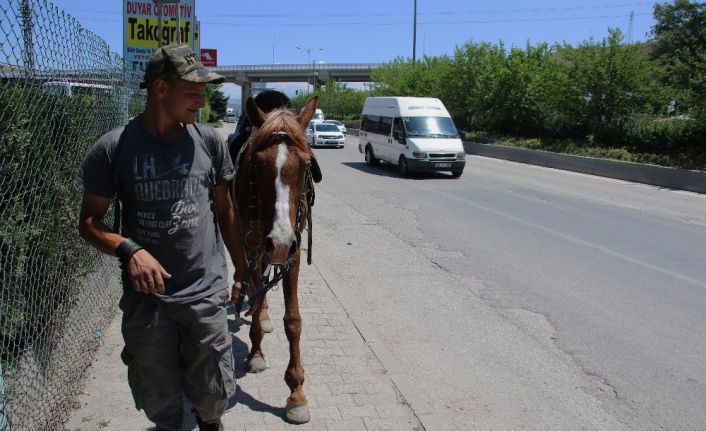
(178, 348)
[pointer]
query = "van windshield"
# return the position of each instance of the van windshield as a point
(430, 127)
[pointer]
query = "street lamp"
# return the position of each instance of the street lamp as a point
(308, 52)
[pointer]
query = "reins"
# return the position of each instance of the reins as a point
(254, 238)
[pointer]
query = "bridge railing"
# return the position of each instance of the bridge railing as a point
(303, 67)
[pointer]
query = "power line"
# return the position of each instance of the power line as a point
(454, 12)
(397, 13)
(394, 23)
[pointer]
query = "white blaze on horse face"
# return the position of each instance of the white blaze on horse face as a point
(282, 233)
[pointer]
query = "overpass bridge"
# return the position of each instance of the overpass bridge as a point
(310, 73)
(244, 76)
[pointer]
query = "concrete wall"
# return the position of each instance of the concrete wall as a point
(673, 178)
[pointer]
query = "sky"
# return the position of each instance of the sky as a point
(378, 31)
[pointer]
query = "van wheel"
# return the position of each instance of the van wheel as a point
(456, 174)
(403, 166)
(370, 159)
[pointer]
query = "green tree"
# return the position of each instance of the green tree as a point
(217, 101)
(520, 91)
(397, 78)
(680, 50)
(473, 90)
(336, 100)
(609, 81)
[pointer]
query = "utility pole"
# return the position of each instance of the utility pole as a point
(27, 36)
(632, 17)
(414, 35)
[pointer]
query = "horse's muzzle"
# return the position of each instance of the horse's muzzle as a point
(279, 253)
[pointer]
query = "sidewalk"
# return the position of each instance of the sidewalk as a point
(347, 386)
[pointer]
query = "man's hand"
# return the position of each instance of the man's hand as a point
(235, 291)
(146, 274)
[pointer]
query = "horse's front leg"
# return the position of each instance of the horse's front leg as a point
(256, 358)
(265, 320)
(297, 408)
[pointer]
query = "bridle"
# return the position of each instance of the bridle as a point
(254, 237)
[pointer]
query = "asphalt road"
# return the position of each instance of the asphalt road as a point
(520, 297)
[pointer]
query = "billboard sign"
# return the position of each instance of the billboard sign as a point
(143, 30)
(209, 57)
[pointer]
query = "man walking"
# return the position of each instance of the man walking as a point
(171, 177)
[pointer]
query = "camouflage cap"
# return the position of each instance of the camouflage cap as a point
(178, 62)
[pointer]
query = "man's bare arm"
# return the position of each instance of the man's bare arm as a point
(91, 226)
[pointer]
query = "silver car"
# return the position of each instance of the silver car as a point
(320, 134)
(339, 124)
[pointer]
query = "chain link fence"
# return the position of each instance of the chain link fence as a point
(60, 88)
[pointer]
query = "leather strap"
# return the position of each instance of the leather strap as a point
(126, 249)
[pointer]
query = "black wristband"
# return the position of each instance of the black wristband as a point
(126, 249)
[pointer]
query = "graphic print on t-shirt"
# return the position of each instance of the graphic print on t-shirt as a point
(174, 185)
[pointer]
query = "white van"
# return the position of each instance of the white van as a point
(318, 115)
(415, 133)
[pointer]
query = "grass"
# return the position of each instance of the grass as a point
(589, 148)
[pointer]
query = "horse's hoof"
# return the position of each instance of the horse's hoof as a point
(266, 326)
(256, 364)
(298, 414)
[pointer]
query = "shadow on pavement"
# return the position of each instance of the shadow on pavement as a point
(240, 353)
(390, 170)
(242, 397)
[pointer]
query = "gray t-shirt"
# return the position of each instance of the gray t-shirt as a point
(167, 203)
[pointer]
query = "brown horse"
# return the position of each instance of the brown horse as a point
(274, 191)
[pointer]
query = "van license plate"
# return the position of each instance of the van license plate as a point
(442, 165)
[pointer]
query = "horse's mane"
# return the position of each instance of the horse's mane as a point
(279, 120)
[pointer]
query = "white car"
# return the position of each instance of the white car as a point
(320, 134)
(339, 124)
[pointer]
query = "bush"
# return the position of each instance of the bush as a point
(43, 139)
(664, 136)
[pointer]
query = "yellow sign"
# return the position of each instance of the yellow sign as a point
(143, 32)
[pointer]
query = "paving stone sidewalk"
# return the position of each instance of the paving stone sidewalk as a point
(347, 386)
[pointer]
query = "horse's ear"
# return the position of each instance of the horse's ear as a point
(307, 112)
(255, 114)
